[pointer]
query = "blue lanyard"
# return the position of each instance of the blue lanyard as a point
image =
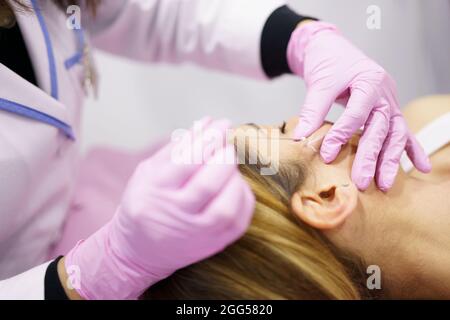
(78, 56)
(50, 54)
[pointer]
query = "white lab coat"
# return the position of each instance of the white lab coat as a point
(39, 127)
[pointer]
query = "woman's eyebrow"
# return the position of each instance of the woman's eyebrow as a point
(251, 124)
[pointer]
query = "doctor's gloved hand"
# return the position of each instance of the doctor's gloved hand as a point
(171, 215)
(334, 70)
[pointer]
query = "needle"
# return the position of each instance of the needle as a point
(272, 138)
(309, 143)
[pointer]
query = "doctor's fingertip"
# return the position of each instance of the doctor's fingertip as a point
(301, 131)
(385, 184)
(426, 166)
(329, 153)
(362, 183)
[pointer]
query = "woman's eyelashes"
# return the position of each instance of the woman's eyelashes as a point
(283, 127)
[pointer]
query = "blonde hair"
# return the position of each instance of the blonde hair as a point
(279, 257)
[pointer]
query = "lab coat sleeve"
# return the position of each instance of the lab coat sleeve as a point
(25, 286)
(218, 34)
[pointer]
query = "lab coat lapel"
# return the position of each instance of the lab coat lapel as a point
(21, 97)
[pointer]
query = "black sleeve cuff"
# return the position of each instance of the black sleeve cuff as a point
(53, 289)
(275, 38)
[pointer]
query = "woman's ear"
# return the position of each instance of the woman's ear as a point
(327, 207)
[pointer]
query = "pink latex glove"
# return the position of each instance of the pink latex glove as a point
(334, 70)
(171, 215)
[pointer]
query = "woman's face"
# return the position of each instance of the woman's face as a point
(278, 140)
(326, 197)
